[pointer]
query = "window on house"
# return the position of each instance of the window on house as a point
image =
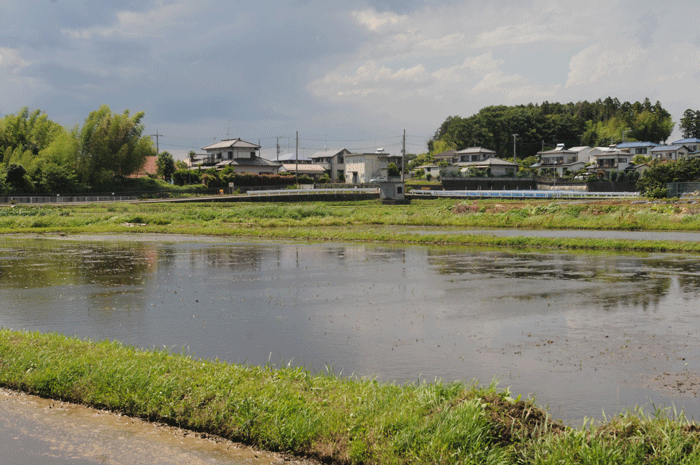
(230, 155)
(341, 159)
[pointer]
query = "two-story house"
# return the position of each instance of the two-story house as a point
(692, 143)
(669, 152)
(561, 159)
(333, 161)
(361, 167)
(608, 159)
(637, 148)
(474, 154)
(243, 156)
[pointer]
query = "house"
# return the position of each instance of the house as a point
(669, 152)
(692, 143)
(431, 171)
(637, 148)
(361, 167)
(474, 154)
(560, 159)
(311, 170)
(449, 156)
(609, 159)
(496, 166)
(333, 161)
(243, 156)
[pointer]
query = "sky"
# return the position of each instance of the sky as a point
(343, 74)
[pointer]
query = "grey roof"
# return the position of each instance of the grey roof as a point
(329, 153)
(668, 148)
(475, 150)
(690, 140)
(230, 143)
(255, 161)
(291, 157)
(493, 161)
(631, 145)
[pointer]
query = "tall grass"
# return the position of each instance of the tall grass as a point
(369, 221)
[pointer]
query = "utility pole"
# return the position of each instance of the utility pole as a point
(515, 159)
(156, 135)
(403, 156)
(296, 161)
(278, 149)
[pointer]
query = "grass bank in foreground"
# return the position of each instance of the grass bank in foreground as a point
(334, 419)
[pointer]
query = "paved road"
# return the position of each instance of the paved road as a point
(41, 431)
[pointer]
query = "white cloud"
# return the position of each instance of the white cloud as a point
(133, 24)
(378, 21)
(606, 61)
(11, 61)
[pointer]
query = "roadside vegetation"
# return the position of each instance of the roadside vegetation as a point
(439, 221)
(331, 418)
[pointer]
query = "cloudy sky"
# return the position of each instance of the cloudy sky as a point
(342, 73)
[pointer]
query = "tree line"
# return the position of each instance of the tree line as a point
(543, 126)
(38, 155)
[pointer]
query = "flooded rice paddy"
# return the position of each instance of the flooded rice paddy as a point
(583, 333)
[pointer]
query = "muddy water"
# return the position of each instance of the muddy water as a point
(583, 333)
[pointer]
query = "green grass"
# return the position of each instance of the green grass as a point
(371, 221)
(330, 418)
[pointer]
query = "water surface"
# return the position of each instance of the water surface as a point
(583, 333)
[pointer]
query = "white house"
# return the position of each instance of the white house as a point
(609, 159)
(560, 159)
(637, 148)
(243, 156)
(361, 167)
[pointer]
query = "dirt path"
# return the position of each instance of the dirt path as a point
(42, 431)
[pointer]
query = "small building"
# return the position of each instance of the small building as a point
(432, 171)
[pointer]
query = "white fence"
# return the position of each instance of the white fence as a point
(557, 194)
(359, 190)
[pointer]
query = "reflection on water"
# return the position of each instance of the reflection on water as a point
(583, 332)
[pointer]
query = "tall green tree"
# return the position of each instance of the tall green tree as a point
(690, 124)
(112, 146)
(165, 165)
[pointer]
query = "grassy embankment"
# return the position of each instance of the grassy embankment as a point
(330, 418)
(372, 221)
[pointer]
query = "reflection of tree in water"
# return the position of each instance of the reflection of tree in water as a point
(45, 264)
(236, 258)
(632, 281)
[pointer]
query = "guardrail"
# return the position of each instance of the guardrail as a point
(550, 194)
(359, 190)
(43, 199)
